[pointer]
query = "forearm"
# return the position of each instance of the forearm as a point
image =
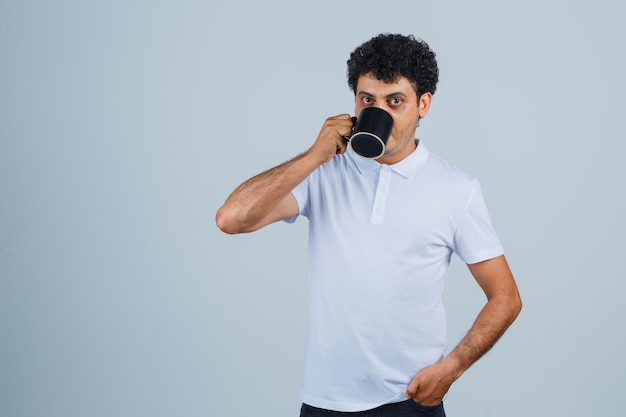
(256, 198)
(431, 384)
(493, 320)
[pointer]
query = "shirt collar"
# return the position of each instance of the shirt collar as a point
(406, 168)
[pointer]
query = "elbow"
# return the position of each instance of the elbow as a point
(233, 221)
(226, 223)
(514, 306)
(508, 307)
(518, 305)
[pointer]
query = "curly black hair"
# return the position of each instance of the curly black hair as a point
(390, 56)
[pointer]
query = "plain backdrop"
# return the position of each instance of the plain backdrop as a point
(124, 125)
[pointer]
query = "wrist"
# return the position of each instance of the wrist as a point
(316, 156)
(454, 365)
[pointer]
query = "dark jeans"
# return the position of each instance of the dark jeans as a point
(408, 408)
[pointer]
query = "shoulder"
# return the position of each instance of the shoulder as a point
(341, 163)
(447, 174)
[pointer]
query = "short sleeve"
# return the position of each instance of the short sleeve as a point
(475, 239)
(301, 194)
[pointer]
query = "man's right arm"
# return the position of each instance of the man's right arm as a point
(267, 198)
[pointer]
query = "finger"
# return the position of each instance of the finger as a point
(339, 127)
(341, 120)
(345, 128)
(345, 136)
(343, 116)
(342, 143)
(411, 390)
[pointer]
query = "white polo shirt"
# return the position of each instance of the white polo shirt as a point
(380, 241)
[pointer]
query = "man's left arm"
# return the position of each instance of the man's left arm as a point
(503, 305)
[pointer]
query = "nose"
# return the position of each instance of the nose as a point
(382, 106)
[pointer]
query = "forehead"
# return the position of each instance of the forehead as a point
(369, 84)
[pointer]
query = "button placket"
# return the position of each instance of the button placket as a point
(380, 199)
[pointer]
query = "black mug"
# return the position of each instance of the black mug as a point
(371, 132)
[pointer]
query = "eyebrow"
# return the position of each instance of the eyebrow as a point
(395, 94)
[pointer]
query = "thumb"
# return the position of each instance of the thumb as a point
(411, 390)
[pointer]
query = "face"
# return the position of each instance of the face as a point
(400, 100)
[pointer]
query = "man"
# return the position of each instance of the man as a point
(381, 234)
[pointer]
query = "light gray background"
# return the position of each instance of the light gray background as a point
(125, 124)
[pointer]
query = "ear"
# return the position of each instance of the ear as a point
(424, 103)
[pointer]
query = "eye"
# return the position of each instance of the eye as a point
(367, 100)
(396, 101)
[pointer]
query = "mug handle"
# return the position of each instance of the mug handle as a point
(346, 137)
